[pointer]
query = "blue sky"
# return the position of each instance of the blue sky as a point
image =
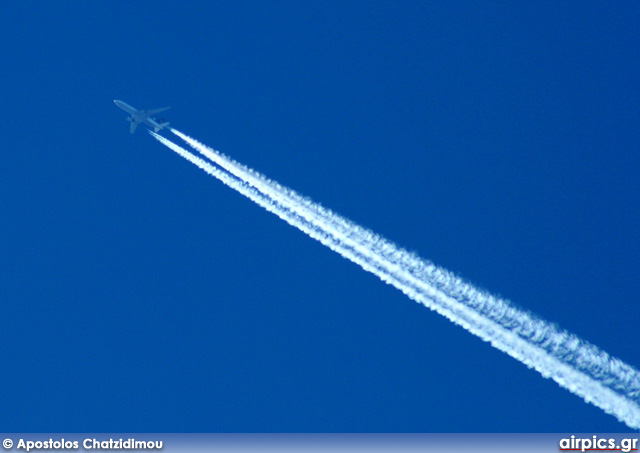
(498, 140)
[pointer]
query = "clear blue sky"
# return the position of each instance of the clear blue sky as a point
(497, 139)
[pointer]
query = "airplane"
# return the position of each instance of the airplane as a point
(142, 116)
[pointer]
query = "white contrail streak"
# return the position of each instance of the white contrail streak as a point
(575, 364)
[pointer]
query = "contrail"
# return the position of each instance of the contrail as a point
(573, 363)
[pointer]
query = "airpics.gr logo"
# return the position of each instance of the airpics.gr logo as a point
(594, 443)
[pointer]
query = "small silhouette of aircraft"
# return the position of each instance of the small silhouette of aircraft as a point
(142, 116)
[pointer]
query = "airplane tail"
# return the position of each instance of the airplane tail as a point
(161, 126)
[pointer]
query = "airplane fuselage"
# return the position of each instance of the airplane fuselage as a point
(127, 108)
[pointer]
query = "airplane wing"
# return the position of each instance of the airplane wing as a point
(157, 126)
(153, 112)
(133, 126)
